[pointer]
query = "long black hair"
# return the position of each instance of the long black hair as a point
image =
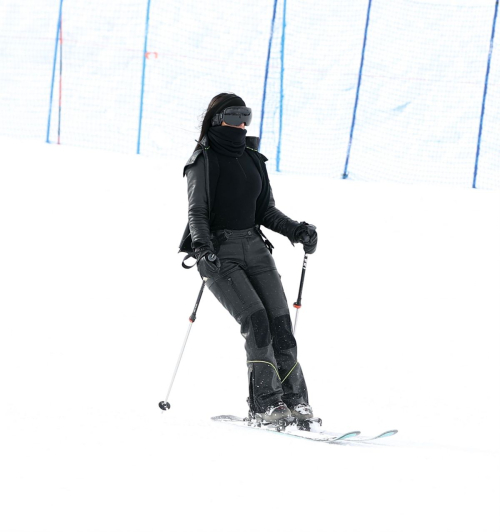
(217, 104)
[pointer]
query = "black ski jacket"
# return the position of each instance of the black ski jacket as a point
(202, 171)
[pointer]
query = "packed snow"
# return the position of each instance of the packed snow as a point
(398, 330)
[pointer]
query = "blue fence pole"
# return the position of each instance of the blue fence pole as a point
(484, 94)
(278, 151)
(267, 71)
(360, 75)
(143, 78)
(60, 81)
(54, 70)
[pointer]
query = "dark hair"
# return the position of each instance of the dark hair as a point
(217, 103)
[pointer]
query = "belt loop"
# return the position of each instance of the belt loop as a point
(221, 236)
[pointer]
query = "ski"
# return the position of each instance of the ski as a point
(385, 434)
(311, 431)
(315, 432)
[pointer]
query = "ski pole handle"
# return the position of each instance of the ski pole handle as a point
(192, 318)
(298, 303)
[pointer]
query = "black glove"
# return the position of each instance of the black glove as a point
(306, 235)
(207, 261)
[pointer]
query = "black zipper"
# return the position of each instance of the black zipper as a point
(207, 182)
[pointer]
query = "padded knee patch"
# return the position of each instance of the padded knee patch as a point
(260, 324)
(282, 332)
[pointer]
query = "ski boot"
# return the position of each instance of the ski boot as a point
(277, 415)
(303, 416)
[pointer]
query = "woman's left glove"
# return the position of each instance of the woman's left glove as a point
(306, 234)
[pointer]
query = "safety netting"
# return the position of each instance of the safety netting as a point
(370, 90)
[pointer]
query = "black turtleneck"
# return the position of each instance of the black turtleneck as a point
(239, 183)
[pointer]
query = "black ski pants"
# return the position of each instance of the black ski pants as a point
(249, 286)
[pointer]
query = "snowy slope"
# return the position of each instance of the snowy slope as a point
(399, 329)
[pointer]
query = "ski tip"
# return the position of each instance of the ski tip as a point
(387, 434)
(348, 435)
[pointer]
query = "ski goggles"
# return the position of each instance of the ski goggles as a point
(234, 116)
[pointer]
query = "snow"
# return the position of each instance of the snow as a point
(398, 330)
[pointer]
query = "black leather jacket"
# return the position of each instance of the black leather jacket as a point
(202, 171)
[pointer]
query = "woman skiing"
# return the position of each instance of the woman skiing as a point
(229, 198)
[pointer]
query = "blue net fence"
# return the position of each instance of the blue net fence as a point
(369, 90)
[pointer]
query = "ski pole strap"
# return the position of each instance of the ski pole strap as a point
(268, 244)
(188, 256)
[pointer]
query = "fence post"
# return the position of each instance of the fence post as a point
(143, 77)
(267, 71)
(345, 174)
(278, 152)
(484, 94)
(54, 70)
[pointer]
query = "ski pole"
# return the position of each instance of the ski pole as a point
(298, 303)
(164, 405)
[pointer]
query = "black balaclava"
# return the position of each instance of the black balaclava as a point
(227, 140)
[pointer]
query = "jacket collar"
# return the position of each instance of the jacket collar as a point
(253, 142)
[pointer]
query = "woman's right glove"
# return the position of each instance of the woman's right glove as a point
(207, 261)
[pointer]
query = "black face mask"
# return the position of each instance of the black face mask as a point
(226, 140)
